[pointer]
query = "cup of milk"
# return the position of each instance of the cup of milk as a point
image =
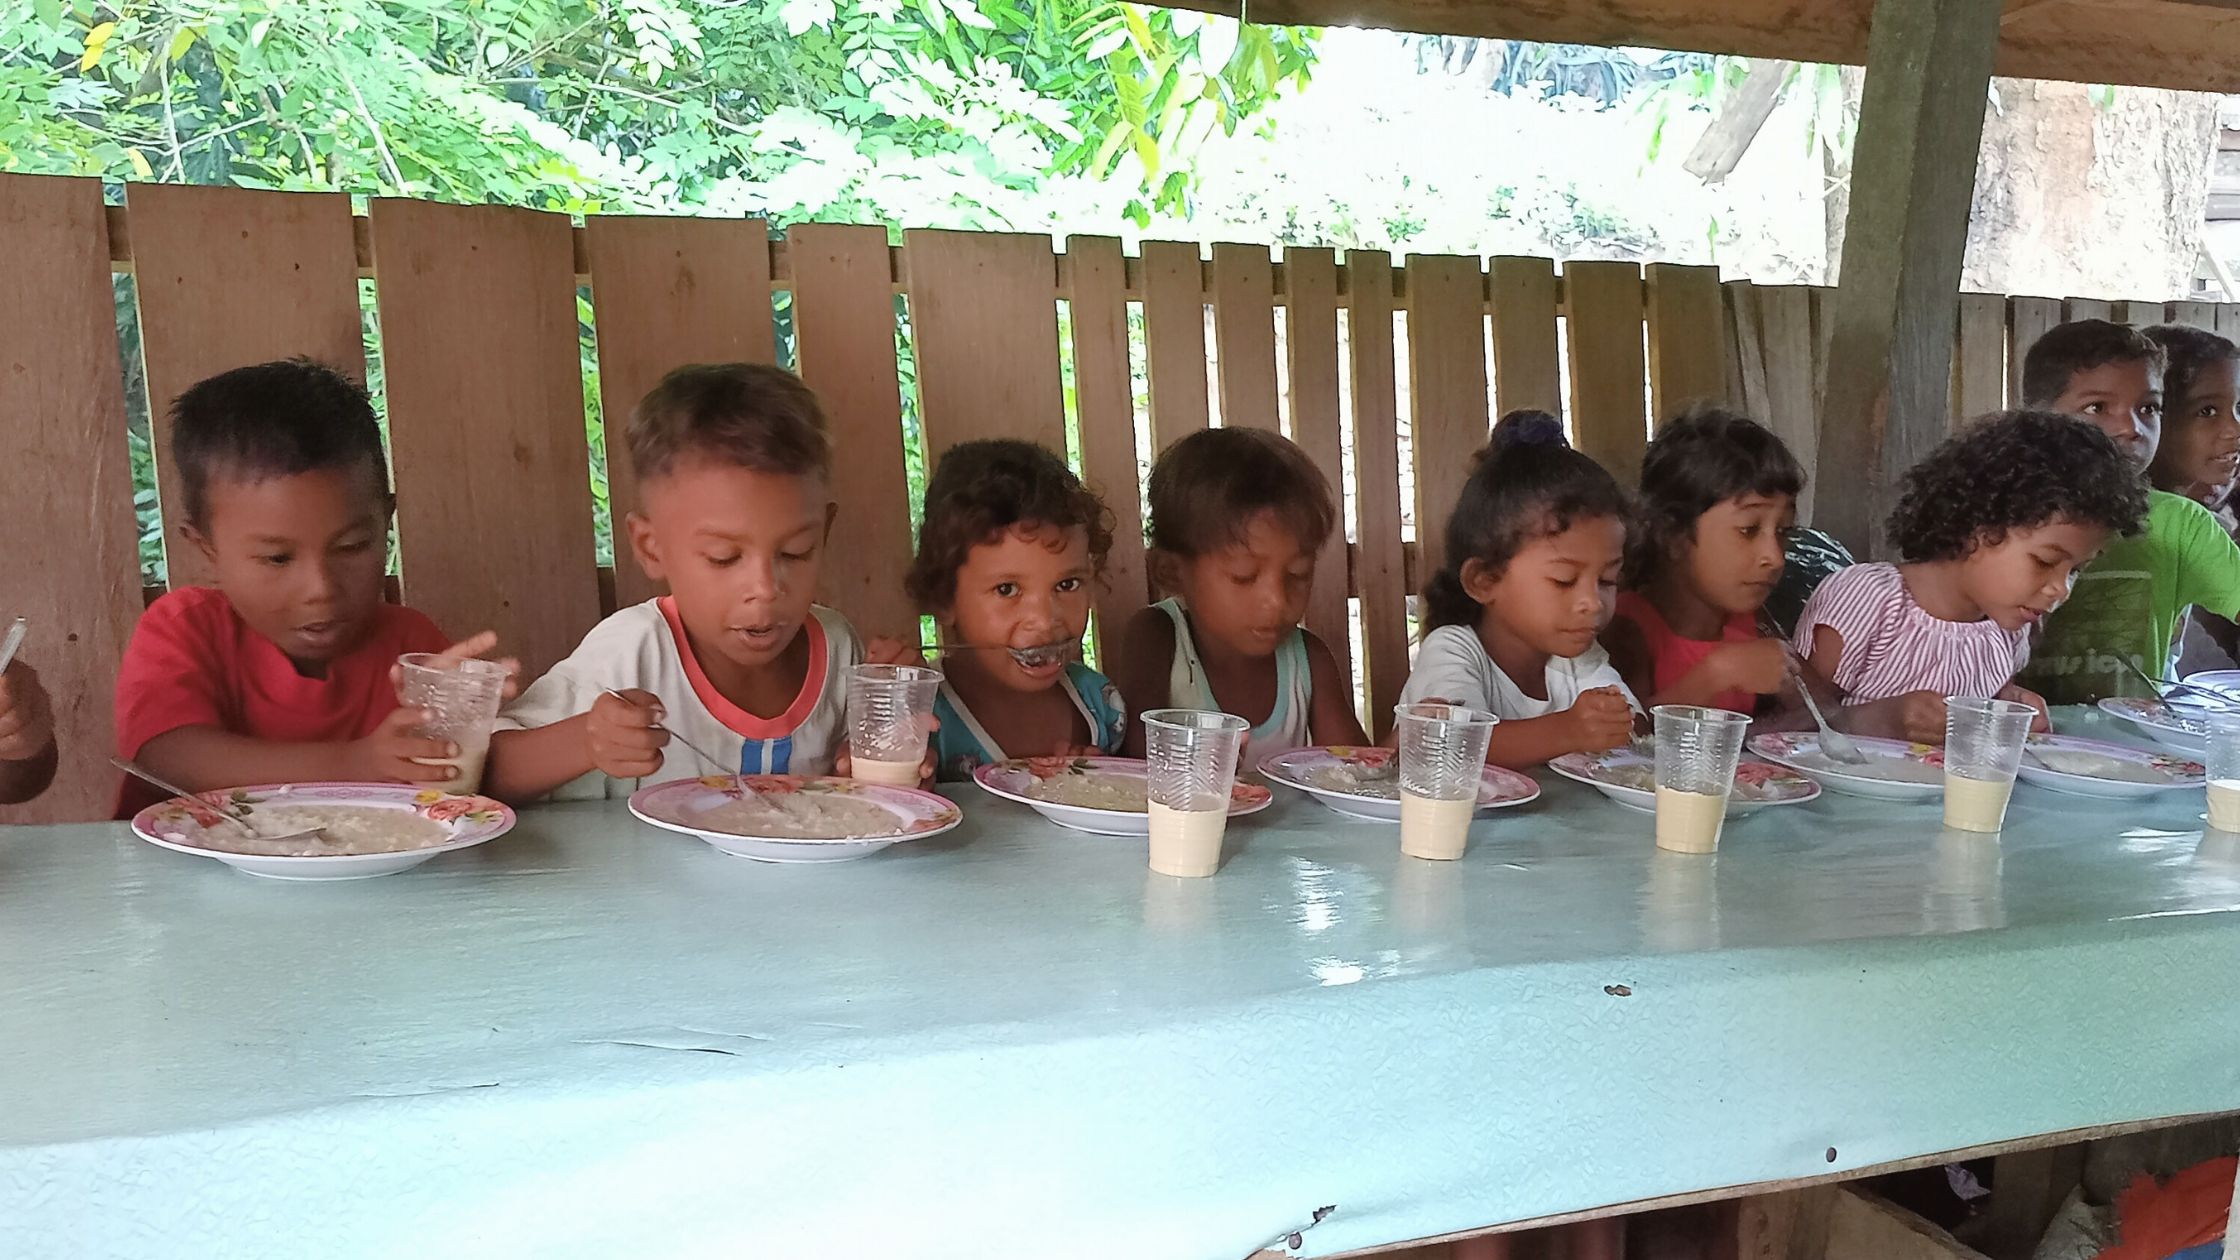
(1697, 750)
(462, 698)
(1191, 759)
(2224, 772)
(890, 713)
(1442, 760)
(1982, 751)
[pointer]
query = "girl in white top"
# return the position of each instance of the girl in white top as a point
(1533, 547)
(1239, 518)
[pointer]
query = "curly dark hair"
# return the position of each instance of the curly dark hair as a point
(1698, 461)
(1515, 494)
(979, 490)
(1207, 487)
(2015, 470)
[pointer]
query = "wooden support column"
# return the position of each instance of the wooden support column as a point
(1897, 303)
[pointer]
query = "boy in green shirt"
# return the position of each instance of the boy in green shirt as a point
(2128, 603)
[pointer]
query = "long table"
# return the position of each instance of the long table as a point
(592, 1038)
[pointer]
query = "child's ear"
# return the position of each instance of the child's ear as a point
(1159, 566)
(1478, 579)
(645, 547)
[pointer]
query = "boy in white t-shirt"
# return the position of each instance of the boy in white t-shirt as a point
(733, 464)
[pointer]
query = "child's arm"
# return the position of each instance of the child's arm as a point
(1599, 721)
(27, 748)
(1141, 668)
(1916, 717)
(620, 736)
(1330, 715)
(203, 758)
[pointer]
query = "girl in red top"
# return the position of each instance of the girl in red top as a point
(1717, 492)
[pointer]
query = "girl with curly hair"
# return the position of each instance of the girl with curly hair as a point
(1009, 553)
(1991, 529)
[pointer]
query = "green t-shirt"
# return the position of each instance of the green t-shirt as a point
(2128, 604)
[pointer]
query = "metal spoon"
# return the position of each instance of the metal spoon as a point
(1834, 743)
(1027, 657)
(226, 811)
(14, 641)
(695, 749)
(2163, 688)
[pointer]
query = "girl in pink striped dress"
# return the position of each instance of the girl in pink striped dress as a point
(1992, 528)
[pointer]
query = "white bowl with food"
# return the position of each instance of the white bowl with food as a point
(1629, 777)
(1894, 771)
(365, 829)
(2207, 693)
(794, 818)
(1364, 783)
(2116, 772)
(2160, 723)
(1105, 796)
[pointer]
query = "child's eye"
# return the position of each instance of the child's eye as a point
(794, 557)
(2150, 409)
(723, 562)
(1067, 586)
(1752, 531)
(2095, 409)
(1007, 589)
(276, 561)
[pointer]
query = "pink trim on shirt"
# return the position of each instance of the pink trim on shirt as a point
(720, 706)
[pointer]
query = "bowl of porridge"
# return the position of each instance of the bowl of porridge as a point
(1106, 796)
(365, 829)
(793, 818)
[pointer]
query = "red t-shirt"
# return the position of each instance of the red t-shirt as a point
(1673, 655)
(193, 661)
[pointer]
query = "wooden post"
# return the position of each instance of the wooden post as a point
(1893, 314)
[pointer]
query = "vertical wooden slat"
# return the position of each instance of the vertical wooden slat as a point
(2138, 314)
(666, 292)
(1527, 367)
(844, 346)
(1174, 334)
(2202, 315)
(481, 355)
(227, 277)
(984, 320)
(1311, 354)
(1791, 363)
(1104, 398)
(1446, 387)
(1245, 334)
(2089, 308)
(1603, 312)
(1747, 365)
(1979, 367)
(2228, 320)
(72, 564)
(1687, 345)
(2028, 318)
(1379, 571)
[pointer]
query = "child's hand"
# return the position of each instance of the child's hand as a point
(1760, 666)
(26, 718)
(2023, 695)
(886, 651)
(623, 734)
(471, 648)
(1921, 714)
(396, 752)
(1601, 720)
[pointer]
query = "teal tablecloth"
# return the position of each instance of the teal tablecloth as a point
(592, 1038)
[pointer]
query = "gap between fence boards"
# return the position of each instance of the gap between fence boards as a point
(781, 266)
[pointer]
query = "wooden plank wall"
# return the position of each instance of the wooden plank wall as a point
(479, 333)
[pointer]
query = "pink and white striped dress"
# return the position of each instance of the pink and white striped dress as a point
(1891, 645)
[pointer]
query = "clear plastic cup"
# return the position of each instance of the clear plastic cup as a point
(2224, 772)
(890, 713)
(1982, 751)
(1697, 751)
(1192, 754)
(462, 697)
(1442, 760)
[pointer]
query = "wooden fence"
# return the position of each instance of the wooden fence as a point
(1362, 361)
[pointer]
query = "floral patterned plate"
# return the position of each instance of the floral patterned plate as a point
(190, 825)
(2156, 721)
(1364, 783)
(1629, 777)
(2091, 767)
(1895, 770)
(1024, 780)
(694, 807)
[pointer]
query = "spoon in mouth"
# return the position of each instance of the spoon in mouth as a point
(1036, 657)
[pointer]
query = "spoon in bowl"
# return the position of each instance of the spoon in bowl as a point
(230, 812)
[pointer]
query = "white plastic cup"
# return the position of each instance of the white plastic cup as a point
(1442, 761)
(462, 698)
(1192, 759)
(1982, 751)
(2224, 772)
(890, 713)
(1697, 751)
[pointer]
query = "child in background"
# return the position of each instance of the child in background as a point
(1992, 527)
(282, 672)
(27, 747)
(2196, 459)
(1238, 517)
(1009, 553)
(1717, 493)
(733, 462)
(2129, 603)
(1532, 550)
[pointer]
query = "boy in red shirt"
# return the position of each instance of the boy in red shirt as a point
(283, 672)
